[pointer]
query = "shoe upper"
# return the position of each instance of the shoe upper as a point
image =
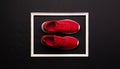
(64, 43)
(65, 26)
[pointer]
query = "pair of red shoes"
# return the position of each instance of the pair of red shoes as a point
(65, 26)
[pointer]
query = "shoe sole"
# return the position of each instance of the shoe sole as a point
(62, 32)
(43, 28)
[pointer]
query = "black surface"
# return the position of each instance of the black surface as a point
(80, 35)
(104, 33)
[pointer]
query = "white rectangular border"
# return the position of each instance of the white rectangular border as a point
(86, 14)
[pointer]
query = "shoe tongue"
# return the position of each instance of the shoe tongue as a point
(58, 40)
(59, 27)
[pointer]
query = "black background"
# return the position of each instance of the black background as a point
(38, 33)
(104, 33)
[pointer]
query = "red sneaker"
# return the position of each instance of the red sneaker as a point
(63, 43)
(66, 26)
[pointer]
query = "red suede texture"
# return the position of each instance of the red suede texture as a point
(64, 43)
(65, 26)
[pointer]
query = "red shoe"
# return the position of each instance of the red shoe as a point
(63, 43)
(66, 26)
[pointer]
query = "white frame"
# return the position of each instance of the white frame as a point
(86, 14)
